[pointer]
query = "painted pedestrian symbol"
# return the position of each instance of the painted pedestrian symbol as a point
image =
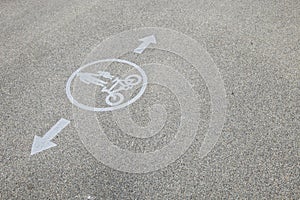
(117, 84)
(94, 78)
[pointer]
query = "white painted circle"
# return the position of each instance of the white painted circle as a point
(86, 107)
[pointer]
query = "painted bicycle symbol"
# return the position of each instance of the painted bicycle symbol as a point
(112, 85)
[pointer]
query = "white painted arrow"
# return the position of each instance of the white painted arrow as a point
(146, 42)
(43, 143)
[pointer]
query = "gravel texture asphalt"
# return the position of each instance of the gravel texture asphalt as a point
(256, 47)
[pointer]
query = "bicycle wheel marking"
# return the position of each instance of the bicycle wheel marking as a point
(115, 97)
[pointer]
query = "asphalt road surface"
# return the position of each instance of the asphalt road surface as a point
(236, 61)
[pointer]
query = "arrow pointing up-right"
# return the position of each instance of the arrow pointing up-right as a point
(146, 42)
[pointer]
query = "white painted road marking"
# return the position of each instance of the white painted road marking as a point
(113, 106)
(43, 143)
(92, 132)
(146, 42)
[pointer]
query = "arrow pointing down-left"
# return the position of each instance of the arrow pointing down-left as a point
(43, 143)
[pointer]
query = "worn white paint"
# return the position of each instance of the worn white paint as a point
(43, 143)
(146, 41)
(113, 107)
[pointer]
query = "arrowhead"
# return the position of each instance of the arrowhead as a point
(149, 39)
(40, 144)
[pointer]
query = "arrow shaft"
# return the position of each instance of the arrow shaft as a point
(142, 47)
(61, 124)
